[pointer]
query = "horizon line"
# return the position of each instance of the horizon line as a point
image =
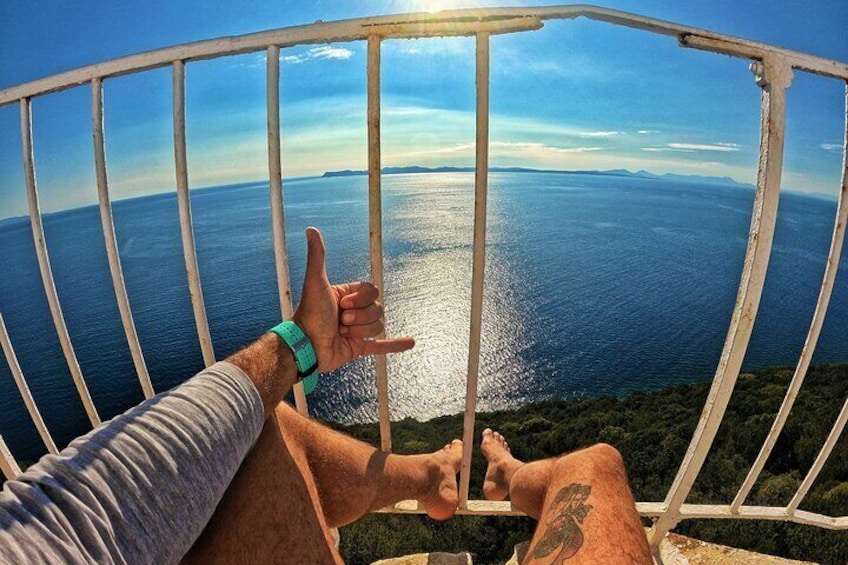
(341, 173)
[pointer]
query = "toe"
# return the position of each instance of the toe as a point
(455, 448)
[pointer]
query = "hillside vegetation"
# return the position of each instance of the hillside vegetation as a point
(652, 431)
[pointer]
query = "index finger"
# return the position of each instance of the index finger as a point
(395, 345)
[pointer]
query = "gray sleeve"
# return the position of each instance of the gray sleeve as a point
(141, 487)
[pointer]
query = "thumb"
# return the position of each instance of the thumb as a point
(316, 272)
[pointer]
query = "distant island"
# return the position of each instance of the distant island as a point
(413, 169)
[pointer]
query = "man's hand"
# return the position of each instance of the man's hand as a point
(341, 320)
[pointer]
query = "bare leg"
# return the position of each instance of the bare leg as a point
(582, 500)
(302, 479)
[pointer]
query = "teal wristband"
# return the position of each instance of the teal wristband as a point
(304, 353)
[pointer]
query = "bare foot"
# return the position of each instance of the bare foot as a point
(502, 465)
(442, 500)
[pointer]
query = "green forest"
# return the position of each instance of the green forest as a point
(652, 431)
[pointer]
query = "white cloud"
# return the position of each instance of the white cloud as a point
(430, 47)
(830, 146)
(530, 146)
(507, 146)
(324, 52)
(647, 131)
(407, 111)
(453, 149)
(573, 65)
(693, 147)
(718, 146)
(250, 61)
(662, 149)
(600, 133)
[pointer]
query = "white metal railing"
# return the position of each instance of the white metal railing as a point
(18, 375)
(773, 67)
(375, 224)
(110, 238)
(44, 262)
(275, 183)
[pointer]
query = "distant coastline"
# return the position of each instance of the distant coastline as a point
(415, 169)
(10, 221)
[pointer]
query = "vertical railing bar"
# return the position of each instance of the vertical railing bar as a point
(275, 184)
(821, 459)
(375, 231)
(831, 267)
(774, 76)
(109, 237)
(8, 465)
(184, 202)
(481, 180)
(26, 395)
(44, 263)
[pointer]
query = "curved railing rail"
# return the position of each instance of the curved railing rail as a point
(773, 67)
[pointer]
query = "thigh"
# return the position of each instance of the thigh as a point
(588, 514)
(271, 512)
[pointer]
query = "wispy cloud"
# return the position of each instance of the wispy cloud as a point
(647, 131)
(248, 61)
(511, 146)
(717, 146)
(600, 133)
(530, 146)
(407, 111)
(830, 146)
(572, 65)
(324, 52)
(694, 147)
(665, 149)
(431, 47)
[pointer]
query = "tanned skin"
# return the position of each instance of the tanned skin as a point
(582, 500)
(340, 320)
(301, 479)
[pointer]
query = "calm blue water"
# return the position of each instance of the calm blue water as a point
(594, 286)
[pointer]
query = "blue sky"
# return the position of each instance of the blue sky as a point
(575, 95)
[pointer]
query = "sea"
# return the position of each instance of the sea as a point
(594, 285)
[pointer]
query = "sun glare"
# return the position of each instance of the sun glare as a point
(439, 5)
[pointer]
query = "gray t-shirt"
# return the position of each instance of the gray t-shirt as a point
(141, 487)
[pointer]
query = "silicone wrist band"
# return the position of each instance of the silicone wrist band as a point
(304, 353)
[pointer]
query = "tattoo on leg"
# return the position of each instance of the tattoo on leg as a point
(562, 530)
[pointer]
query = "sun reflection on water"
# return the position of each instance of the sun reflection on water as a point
(428, 289)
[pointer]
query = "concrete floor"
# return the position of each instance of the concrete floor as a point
(674, 550)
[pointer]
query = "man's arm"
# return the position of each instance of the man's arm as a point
(141, 487)
(269, 363)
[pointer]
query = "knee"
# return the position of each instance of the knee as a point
(600, 456)
(606, 453)
(288, 423)
(284, 413)
(605, 457)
